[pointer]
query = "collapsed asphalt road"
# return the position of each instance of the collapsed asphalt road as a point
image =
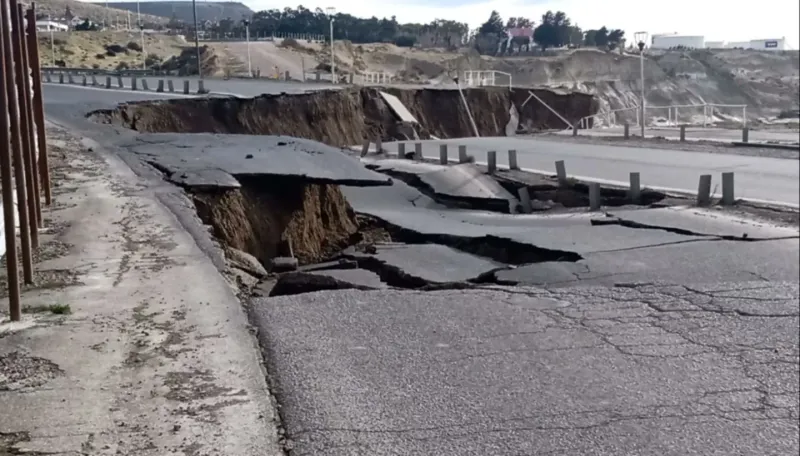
(646, 330)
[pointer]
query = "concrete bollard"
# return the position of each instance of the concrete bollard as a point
(575, 129)
(378, 145)
(365, 148)
(201, 87)
(318, 77)
(134, 83)
(491, 161)
(286, 76)
(70, 79)
(85, 81)
(745, 134)
(108, 82)
(145, 85)
(160, 86)
(417, 151)
(94, 80)
(120, 83)
(401, 150)
(525, 200)
(170, 85)
(512, 159)
(635, 191)
(727, 189)
(704, 190)
(186, 87)
(443, 158)
(462, 154)
(683, 133)
(627, 131)
(561, 173)
(594, 196)
(47, 77)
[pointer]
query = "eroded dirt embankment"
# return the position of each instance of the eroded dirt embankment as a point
(347, 117)
(273, 216)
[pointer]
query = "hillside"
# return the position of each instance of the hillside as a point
(182, 10)
(95, 12)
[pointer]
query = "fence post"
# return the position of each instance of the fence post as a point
(38, 104)
(27, 124)
(745, 134)
(683, 133)
(627, 131)
(12, 264)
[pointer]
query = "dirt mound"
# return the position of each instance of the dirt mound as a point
(347, 117)
(274, 216)
(185, 63)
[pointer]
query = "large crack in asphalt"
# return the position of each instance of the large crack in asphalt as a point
(613, 220)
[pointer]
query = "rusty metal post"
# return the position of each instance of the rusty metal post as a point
(16, 144)
(12, 265)
(23, 95)
(28, 86)
(38, 104)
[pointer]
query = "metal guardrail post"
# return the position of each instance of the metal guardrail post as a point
(18, 158)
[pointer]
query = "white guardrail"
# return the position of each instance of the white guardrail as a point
(673, 112)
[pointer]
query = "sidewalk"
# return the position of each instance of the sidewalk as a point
(131, 341)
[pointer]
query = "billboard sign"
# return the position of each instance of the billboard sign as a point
(770, 44)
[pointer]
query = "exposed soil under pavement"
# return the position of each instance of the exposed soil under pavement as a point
(349, 116)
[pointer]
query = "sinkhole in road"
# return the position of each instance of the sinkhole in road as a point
(349, 116)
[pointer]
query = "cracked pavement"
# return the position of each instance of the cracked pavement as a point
(641, 369)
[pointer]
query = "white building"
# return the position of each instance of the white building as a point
(47, 26)
(771, 44)
(715, 44)
(673, 40)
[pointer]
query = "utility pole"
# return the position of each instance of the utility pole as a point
(641, 37)
(331, 11)
(197, 40)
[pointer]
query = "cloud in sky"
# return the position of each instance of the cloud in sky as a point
(715, 19)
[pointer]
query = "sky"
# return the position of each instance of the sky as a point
(716, 20)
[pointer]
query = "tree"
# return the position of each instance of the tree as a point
(494, 26)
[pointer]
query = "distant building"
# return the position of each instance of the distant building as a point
(673, 40)
(715, 44)
(771, 44)
(47, 26)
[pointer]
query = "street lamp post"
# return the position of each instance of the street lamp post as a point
(641, 37)
(144, 51)
(331, 12)
(247, 38)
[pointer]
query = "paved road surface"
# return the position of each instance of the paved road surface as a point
(759, 178)
(711, 134)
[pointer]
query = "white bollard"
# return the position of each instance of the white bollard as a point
(378, 145)
(47, 77)
(594, 196)
(512, 159)
(201, 87)
(727, 189)
(120, 83)
(60, 78)
(365, 148)
(491, 161)
(462, 154)
(170, 85)
(704, 190)
(144, 85)
(69, 79)
(417, 151)
(94, 80)
(401, 150)
(635, 192)
(561, 173)
(443, 158)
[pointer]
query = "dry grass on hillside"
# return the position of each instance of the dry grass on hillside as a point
(106, 50)
(95, 12)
